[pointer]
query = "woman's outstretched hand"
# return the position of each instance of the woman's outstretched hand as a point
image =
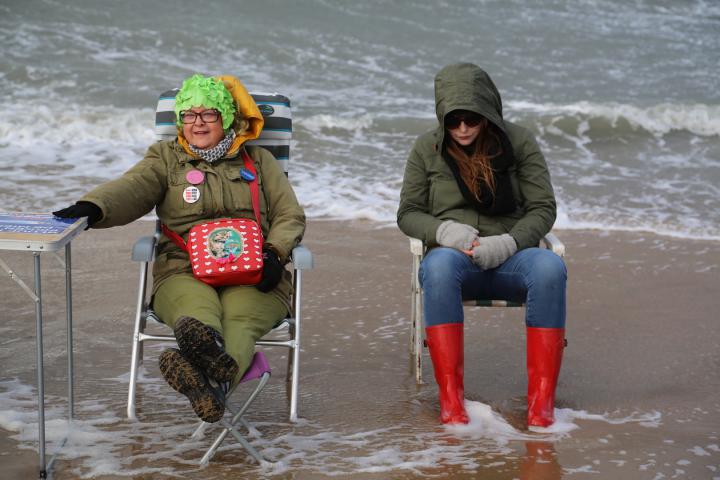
(79, 210)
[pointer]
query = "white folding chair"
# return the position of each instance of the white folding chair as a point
(417, 249)
(275, 136)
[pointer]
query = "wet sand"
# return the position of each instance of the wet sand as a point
(643, 353)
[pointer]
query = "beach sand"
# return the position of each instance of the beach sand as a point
(643, 356)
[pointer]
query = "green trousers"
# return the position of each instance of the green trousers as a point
(241, 313)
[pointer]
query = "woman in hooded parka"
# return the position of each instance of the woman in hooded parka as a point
(198, 177)
(477, 191)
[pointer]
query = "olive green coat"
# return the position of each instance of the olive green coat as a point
(158, 181)
(430, 194)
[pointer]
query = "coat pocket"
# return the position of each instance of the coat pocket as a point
(445, 196)
(238, 189)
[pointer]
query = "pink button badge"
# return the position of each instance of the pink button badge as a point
(196, 177)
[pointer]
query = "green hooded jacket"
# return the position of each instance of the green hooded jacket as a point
(158, 181)
(430, 193)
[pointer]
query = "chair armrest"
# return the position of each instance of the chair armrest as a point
(416, 246)
(553, 243)
(144, 249)
(302, 258)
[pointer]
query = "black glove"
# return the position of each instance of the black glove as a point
(81, 209)
(272, 271)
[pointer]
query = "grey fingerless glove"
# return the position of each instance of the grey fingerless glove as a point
(494, 250)
(455, 235)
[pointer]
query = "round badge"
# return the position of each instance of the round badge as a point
(246, 175)
(191, 194)
(195, 177)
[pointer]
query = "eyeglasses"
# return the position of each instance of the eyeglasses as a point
(470, 120)
(188, 117)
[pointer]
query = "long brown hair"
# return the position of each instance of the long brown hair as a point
(474, 163)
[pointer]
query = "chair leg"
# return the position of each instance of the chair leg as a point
(290, 358)
(418, 325)
(213, 448)
(134, 365)
(141, 344)
(413, 313)
(137, 347)
(294, 380)
(295, 351)
(250, 449)
(416, 319)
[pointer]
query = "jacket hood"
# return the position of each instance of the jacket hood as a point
(465, 86)
(246, 109)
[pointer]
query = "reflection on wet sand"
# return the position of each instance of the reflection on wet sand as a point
(540, 462)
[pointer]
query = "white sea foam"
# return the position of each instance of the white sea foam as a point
(28, 124)
(699, 119)
(640, 222)
(659, 119)
(101, 442)
(351, 167)
(315, 123)
(486, 423)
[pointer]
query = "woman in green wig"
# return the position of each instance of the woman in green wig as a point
(191, 180)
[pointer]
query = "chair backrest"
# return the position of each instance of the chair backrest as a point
(276, 133)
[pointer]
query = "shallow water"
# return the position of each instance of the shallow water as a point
(390, 431)
(636, 397)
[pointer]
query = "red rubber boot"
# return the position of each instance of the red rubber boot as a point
(544, 356)
(445, 343)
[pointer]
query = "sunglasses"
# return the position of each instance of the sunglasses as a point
(470, 120)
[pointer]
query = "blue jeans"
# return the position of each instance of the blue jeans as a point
(534, 276)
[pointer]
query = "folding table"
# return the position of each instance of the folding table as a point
(37, 233)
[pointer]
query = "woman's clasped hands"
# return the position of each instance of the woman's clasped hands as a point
(486, 252)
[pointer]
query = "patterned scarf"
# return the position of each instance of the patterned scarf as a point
(216, 152)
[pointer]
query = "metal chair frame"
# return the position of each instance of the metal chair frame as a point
(417, 249)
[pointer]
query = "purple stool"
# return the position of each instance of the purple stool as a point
(259, 369)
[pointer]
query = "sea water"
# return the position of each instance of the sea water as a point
(623, 97)
(101, 443)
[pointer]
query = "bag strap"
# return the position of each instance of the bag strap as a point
(254, 189)
(254, 193)
(177, 239)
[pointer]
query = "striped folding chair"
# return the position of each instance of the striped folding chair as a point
(417, 249)
(275, 137)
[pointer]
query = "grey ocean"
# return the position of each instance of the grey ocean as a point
(624, 97)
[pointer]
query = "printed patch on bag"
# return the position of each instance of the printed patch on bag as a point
(225, 244)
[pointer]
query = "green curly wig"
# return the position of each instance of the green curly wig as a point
(207, 92)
